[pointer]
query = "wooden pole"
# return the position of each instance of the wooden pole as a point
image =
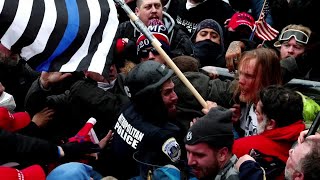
(157, 45)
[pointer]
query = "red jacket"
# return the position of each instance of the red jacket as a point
(276, 142)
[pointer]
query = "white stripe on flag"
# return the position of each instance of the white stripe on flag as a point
(95, 15)
(19, 24)
(93, 136)
(1, 5)
(47, 26)
(100, 56)
(265, 31)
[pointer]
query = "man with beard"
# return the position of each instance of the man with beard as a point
(303, 162)
(209, 146)
(147, 10)
(294, 43)
(143, 132)
(298, 48)
(292, 40)
(258, 68)
(280, 120)
(208, 43)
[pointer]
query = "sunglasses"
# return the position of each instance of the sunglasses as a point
(299, 36)
(144, 53)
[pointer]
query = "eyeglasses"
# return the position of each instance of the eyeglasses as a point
(299, 36)
(144, 53)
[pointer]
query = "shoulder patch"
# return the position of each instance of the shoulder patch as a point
(172, 149)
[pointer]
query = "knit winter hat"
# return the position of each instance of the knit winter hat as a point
(214, 128)
(212, 24)
(159, 31)
(71, 171)
(207, 23)
(125, 50)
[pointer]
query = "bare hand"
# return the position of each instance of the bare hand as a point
(236, 112)
(210, 105)
(42, 118)
(303, 134)
(49, 78)
(106, 140)
(242, 159)
(194, 120)
(233, 55)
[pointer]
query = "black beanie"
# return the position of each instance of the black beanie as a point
(213, 128)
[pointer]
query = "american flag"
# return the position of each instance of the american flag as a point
(60, 35)
(263, 30)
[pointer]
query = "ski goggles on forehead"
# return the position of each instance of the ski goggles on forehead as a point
(299, 36)
(144, 53)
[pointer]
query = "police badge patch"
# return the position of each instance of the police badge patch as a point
(172, 149)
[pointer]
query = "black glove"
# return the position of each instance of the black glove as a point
(76, 149)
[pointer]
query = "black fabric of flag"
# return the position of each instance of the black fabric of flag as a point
(60, 35)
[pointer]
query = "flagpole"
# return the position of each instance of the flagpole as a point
(253, 32)
(255, 26)
(157, 45)
(264, 3)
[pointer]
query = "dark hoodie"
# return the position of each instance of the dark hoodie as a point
(208, 52)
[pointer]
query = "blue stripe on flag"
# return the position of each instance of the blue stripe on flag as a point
(68, 36)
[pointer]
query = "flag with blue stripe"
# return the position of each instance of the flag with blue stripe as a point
(60, 35)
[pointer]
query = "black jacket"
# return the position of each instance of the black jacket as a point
(74, 106)
(138, 140)
(25, 150)
(210, 9)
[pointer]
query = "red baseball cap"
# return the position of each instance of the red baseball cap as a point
(30, 173)
(13, 122)
(241, 19)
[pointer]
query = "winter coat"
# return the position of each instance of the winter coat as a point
(25, 150)
(188, 19)
(138, 140)
(276, 142)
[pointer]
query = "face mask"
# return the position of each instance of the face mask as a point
(106, 86)
(207, 52)
(7, 101)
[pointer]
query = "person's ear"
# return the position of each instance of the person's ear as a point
(298, 175)
(136, 10)
(222, 154)
(271, 124)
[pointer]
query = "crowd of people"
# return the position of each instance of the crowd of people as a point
(140, 120)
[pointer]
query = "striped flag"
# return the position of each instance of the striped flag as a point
(263, 30)
(60, 35)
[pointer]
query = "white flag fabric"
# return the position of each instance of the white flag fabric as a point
(60, 35)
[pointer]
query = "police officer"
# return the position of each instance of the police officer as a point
(143, 136)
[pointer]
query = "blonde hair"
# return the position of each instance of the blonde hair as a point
(299, 27)
(267, 69)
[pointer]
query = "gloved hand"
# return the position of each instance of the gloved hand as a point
(76, 149)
